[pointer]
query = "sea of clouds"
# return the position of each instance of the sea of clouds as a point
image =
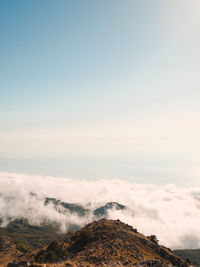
(171, 213)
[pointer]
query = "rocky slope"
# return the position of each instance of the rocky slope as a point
(109, 243)
(8, 248)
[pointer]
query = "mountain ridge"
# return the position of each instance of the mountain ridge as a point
(109, 243)
(80, 210)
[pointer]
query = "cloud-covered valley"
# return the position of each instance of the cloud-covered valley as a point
(171, 213)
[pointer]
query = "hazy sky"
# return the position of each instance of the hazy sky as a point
(101, 89)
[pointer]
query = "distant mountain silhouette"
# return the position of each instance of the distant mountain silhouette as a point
(100, 212)
(103, 211)
(64, 206)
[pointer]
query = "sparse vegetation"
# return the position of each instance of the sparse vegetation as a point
(30, 237)
(107, 241)
(79, 240)
(52, 253)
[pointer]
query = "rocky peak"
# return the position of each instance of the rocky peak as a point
(111, 242)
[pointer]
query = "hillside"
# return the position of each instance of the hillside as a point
(193, 255)
(9, 247)
(37, 236)
(108, 243)
(34, 236)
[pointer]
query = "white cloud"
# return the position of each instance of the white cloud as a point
(170, 212)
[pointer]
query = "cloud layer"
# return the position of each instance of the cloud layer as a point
(170, 212)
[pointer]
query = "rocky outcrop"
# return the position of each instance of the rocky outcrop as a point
(112, 243)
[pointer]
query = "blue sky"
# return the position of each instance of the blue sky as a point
(101, 89)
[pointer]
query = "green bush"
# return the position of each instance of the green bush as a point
(79, 240)
(84, 237)
(53, 245)
(51, 256)
(41, 259)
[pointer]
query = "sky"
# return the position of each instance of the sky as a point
(101, 89)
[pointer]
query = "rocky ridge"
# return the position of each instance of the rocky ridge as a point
(110, 243)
